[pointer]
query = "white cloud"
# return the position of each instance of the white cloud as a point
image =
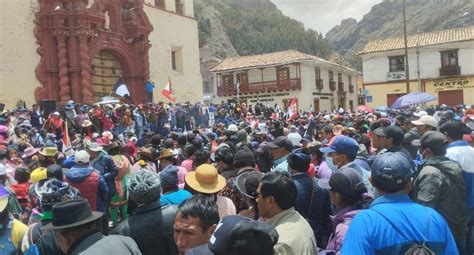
(322, 15)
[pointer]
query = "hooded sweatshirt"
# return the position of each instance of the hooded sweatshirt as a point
(91, 185)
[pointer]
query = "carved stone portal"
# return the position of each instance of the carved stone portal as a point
(69, 33)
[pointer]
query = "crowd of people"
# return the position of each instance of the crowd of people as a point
(236, 179)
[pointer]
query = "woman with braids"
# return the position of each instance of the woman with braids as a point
(120, 199)
(348, 195)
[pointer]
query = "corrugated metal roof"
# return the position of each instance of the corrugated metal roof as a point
(423, 39)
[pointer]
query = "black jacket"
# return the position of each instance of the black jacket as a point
(151, 226)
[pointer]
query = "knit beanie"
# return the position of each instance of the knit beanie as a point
(169, 176)
(144, 186)
(244, 157)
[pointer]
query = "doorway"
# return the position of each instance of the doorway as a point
(316, 106)
(451, 97)
(391, 98)
(106, 70)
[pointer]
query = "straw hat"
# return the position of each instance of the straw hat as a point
(166, 153)
(86, 123)
(205, 179)
(49, 151)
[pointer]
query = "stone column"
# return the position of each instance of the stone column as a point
(64, 89)
(86, 85)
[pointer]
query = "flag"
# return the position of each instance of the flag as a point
(292, 111)
(166, 92)
(238, 86)
(66, 139)
(121, 89)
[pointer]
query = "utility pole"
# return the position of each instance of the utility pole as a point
(407, 69)
(418, 66)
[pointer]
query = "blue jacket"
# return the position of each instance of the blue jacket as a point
(371, 233)
(106, 166)
(79, 174)
(320, 208)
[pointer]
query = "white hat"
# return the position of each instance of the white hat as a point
(82, 157)
(56, 113)
(420, 113)
(233, 128)
(426, 120)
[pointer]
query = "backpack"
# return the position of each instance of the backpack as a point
(413, 247)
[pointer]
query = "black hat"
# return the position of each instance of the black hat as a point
(244, 156)
(299, 160)
(433, 140)
(394, 132)
(237, 233)
(247, 183)
(281, 142)
(346, 181)
(72, 213)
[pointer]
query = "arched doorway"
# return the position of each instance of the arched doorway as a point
(106, 70)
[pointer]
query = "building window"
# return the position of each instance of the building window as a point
(179, 7)
(242, 78)
(339, 77)
(283, 74)
(317, 73)
(160, 4)
(228, 80)
(207, 87)
(397, 63)
(349, 80)
(449, 58)
(177, 59)
(331, 76)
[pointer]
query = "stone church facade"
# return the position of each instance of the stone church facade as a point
(77, 49)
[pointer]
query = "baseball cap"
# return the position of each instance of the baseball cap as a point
(426, 120)
(82, 157)
(433, 140)
(281, 142)
(346, 181)
(342, 144)
(394, 132)
(243, 234)
(390, 170)
(379, 132)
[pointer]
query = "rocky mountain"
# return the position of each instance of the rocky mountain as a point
(247, 27)
(386, 20)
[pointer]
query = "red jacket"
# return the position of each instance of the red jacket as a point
(86, 183)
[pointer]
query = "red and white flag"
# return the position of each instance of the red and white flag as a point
(292, 109)
(166, 92)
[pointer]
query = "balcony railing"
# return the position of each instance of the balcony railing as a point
(332, 85)
(449, 70)
(319, 84)
(351, 88)
(340, 86)
(260, 87)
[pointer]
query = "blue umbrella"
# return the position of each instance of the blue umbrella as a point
(381, 108)
(413, 99)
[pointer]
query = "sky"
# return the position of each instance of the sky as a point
(322, 15)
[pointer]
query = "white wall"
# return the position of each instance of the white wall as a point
(170, 5)
(18, 57)
(171, 31)
(376, 66)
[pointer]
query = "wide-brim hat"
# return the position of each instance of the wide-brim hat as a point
(49, 151)
(29, 152)
(94, 147)
(166, 153)
(205, 179)
(71, 213)
(247, 183)
(112, 146)
(87, 123)
(4, 195)
(146, 153)
(69, 106)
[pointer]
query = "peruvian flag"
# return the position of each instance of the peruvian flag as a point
(66, 139)
(292, 109)
(166, 92)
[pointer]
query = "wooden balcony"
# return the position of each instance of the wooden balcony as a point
(319, 84)
(332, 85)
(260, 87)
(449, 70)
(351, 88)
(340, 86)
